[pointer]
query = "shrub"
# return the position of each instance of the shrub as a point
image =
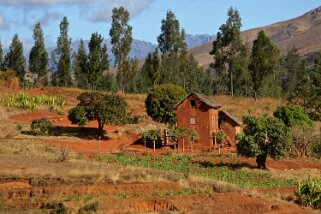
(161, 100)
(293, 116)
(63, 154)
(316, 148)
(301, 140)
(309, 194)
(41, 126)
(89, 208)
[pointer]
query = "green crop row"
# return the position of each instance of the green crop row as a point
(184, 164)
(32, 102)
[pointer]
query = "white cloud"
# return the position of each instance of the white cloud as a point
(96, 10)
(48, 17)
(102, 11)
(3, 22)
(38, 2)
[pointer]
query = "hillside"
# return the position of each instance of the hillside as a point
(302, 32)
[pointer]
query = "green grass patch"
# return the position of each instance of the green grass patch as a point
(185, 164)
(32, 102)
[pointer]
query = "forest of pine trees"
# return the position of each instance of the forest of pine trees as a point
(237, 69)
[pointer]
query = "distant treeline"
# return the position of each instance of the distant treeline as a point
(236, 70)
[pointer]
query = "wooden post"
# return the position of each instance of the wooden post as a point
(183, 145)
(99, 144)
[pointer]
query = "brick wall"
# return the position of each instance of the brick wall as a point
(228, 126)
(200, 118)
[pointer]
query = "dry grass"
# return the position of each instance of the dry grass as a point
(241, 106)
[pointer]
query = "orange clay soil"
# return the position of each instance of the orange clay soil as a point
(127, 141)
(213, 203)
(137, 198)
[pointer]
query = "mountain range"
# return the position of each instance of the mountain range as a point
(140, 49)
(303, 33)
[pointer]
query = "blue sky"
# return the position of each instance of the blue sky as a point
(89, 16)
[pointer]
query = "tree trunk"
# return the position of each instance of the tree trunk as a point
(232, 87)
(261, 161)
(191, 147)
(101, 128)
(255, 96)
(154, 146)
(213, 142)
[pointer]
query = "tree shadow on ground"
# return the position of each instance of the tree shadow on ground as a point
(79, 132)
(232, 166)
(149, 144)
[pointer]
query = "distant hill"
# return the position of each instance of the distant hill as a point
(303, 32)
(198, 39)
(140, 49)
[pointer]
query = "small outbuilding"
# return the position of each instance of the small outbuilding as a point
(200, 113)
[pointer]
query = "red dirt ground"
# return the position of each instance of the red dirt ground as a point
(139, 199)
(126, 140)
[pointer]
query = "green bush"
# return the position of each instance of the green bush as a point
(161, 100)
(41, 126)
(293, 116)
(309, 194)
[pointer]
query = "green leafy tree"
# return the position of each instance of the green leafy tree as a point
(151, 70)
(229, 54)
(262, 137)
(193, 136)
(182, 133)
(135, 80)
(171, 39)
(97, 60)
(104, 108)
(62, 56)
(38, 57)
(81, 66)
(293, 116)
(121, 40)
(160, 102)
(108, 83)
(193, 78)
(14, 59)
(263, 61)
(175, 60)
(151, 135)
(314, 103)
(292, 64)
(218, 137)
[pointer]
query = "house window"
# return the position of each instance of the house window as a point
(192, 120)
(193, 103)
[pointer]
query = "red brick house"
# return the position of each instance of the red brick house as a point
(200, 113)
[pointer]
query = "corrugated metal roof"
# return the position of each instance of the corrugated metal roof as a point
(205, 99)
